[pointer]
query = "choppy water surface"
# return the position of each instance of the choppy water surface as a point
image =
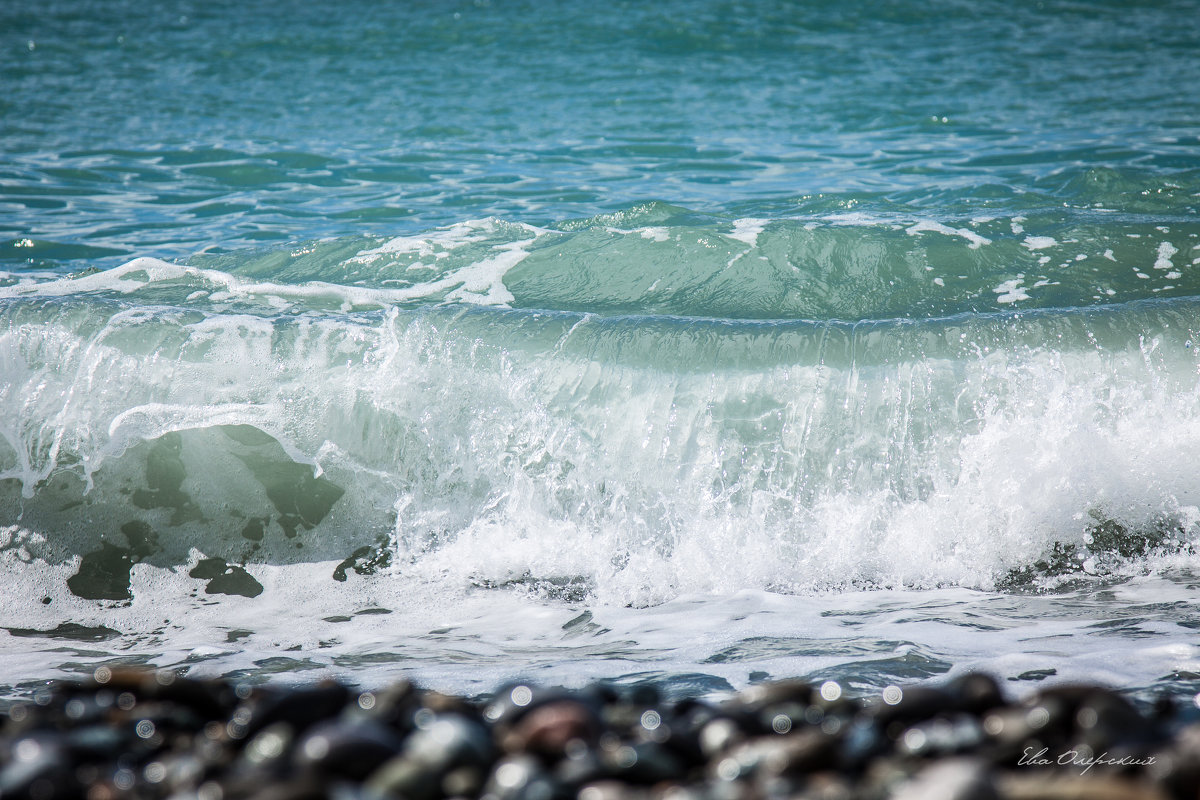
(694, 344)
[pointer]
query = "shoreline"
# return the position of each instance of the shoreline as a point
(128, 732)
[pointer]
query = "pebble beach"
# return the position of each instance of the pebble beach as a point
(130, 733)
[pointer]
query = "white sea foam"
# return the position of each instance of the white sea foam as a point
(1011, 291)
(480, 282)
(974, 239)
(654, 233)
(1163, 258)
(437, 243)
(1039, 242)
(494, 637)
(748, 230)
(859, 219)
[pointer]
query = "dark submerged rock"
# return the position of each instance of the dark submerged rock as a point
(103, 574)
(226, 578)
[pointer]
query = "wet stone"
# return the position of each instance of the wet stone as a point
(551, 727)
(37, 766)
(975, 692)
(348, 749)
(951, 780)
(299, 708)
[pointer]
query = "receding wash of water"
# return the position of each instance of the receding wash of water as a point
(691, 343)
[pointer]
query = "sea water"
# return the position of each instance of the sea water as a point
(691, 343)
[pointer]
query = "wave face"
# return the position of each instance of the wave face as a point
(697, 339)
(446, 397)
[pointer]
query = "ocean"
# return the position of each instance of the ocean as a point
(690, 344)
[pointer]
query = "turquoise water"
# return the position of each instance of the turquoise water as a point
(222, 126)
(765, 339)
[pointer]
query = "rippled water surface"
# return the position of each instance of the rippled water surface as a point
(694, 343)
